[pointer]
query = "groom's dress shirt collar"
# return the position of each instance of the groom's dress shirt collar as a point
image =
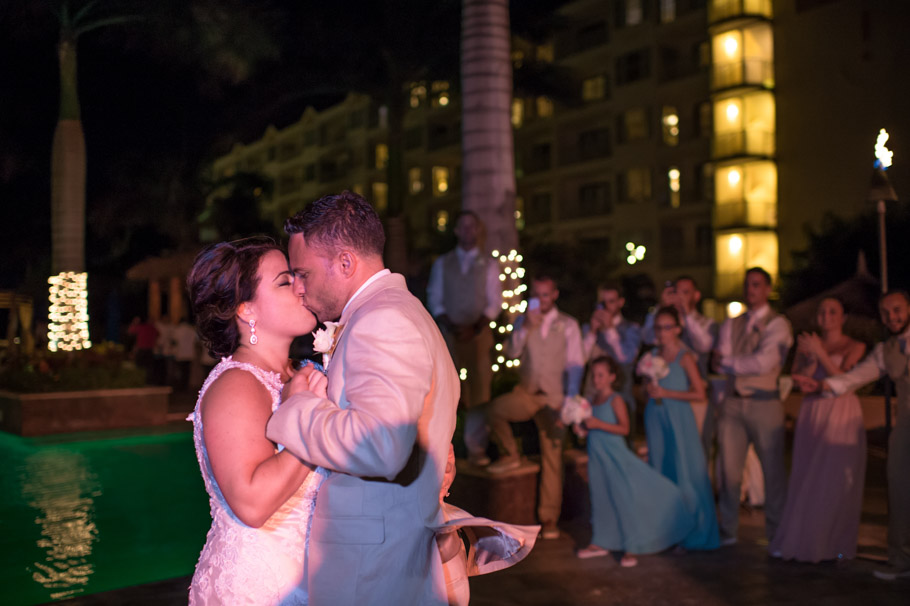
(373, 278)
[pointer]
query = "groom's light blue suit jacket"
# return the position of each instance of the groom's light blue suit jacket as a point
(385, 429)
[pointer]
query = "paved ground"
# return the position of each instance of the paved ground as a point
(742, 574)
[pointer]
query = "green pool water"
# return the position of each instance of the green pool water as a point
(85, 513)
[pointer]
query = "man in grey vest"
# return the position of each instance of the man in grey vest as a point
(751, 351)
(547, 343)
(892, 357)
(464, 295)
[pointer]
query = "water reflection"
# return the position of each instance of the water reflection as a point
(61, 487)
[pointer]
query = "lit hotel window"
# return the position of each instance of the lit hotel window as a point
(673, 182)
(544, 107)
(594, 88)
(670, 122)
(634, 12)
(380, 196)
(442, 220)
(667, 11)
(418, 94)
(440, 180)
(518, 111)
(440, 89)
(415, 180)
(382, 155)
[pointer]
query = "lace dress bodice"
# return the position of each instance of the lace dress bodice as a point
(244, 565)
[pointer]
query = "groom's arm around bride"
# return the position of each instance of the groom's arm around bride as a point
(386, 425)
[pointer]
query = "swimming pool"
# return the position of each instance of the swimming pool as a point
(90, 512)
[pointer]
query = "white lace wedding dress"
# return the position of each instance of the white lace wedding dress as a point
(244, 565)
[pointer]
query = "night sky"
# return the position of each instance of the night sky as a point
(162, 95)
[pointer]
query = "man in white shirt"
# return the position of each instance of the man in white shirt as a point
(464, 295)
(547, 343)
(891, 357)
(751, 351)
(699, 334)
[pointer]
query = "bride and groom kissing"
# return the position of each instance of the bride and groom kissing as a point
(326, 485)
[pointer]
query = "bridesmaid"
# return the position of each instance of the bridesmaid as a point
(674, 445)
(633, 508)
(825, 496)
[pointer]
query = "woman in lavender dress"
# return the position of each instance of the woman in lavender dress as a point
(825, 495)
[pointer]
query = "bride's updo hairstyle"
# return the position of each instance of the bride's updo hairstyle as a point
(223, 276)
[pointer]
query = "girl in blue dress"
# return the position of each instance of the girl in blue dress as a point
(674, 446)
(634, 509)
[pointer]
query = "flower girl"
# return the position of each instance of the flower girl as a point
(634, 509)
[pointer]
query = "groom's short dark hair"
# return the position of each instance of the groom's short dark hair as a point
(335, 221)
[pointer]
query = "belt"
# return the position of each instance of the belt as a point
(758, 395)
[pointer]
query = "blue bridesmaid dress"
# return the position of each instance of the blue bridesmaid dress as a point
(633, 508)
(675, 450)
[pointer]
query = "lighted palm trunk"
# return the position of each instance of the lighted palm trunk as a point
(488, 181)
(68, 298)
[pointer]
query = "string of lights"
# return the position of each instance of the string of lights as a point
(511, 278)
(67, 328)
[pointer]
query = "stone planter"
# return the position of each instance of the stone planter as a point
(36, 414)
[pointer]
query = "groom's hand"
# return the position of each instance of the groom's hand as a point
(304, 380)
(449, 476)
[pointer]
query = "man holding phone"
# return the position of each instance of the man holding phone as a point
(548, 344)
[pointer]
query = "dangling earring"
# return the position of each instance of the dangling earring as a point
(253, 338)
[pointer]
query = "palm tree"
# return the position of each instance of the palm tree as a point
(488, 177)
(68, 186)
(68, 152)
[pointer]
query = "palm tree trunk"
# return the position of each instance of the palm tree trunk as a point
(68, 172)
(488, 165)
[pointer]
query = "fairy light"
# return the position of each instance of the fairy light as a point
(463, 374)
(67, 328)
(510, 275)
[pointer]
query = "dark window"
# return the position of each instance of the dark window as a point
(540, 158)
(633, 66)
(594, 199)
(309, 138)
(413, 138)
(591, 36)
(594, 143)
(538, 210)
(309, 173)
(704, 243)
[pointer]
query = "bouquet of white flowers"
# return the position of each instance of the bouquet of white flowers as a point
(652, 367)
(575, 409)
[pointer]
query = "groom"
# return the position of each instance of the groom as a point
(386, 424)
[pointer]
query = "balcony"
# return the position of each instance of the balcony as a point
(752, 142)
(743, 213)
(748, 72)
(721, 10)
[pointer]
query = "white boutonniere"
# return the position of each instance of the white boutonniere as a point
(324, 341)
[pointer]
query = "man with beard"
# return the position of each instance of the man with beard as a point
(891, 357)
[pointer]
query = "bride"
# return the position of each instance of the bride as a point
(261, 496)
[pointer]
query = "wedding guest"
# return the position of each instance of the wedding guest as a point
(752, 349)
(609, 333)
(674, 447)
(547, 343)
(261, 496)
(699, 334)
(825, 494)
(146, 339)
(464, 295)
(184, 336)
(891, 357)
(634, 509)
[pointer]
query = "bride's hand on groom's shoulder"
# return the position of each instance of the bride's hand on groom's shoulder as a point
(307, 379)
